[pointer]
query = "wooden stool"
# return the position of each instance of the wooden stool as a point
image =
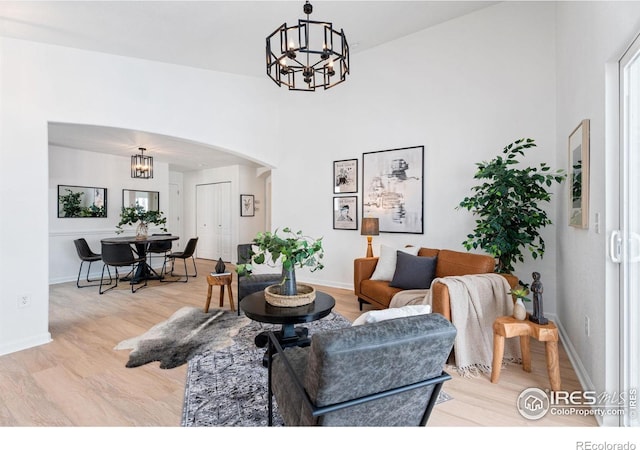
(508, 326)
(222, 280)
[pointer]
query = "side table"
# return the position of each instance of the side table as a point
(507, 327)
(222, 280)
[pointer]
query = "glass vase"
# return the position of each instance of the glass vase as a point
(142, 230)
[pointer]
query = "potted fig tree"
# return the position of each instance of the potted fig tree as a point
(508, 206)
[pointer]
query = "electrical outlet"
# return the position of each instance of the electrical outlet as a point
(596, 224)
(587, 326)
(24, 301)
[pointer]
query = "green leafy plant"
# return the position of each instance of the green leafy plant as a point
(293, 250)
(71, 203)
(132, 215)
(521, 293)
(93, 211)
(508, 206)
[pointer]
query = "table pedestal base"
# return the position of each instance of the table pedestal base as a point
(288, 336)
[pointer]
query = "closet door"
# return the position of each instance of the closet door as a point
(213, 221)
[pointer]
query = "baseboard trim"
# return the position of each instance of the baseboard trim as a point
(24, 344)
(574, 359)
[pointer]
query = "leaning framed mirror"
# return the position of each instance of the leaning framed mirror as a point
(81, 201)
(149, 200)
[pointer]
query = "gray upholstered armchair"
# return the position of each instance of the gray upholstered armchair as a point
(387, 373)
(248, 284)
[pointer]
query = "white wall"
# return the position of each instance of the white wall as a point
(85, 168)
(252, 181)
(44, 83)
(592, 36)
(463, 89)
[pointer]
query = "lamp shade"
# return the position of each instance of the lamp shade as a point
(370, 226)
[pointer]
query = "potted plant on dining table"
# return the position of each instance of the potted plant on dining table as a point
(139, 216)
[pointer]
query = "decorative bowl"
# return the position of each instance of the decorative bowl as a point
(306, 294)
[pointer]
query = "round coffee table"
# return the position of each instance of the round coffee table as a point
(256, 308)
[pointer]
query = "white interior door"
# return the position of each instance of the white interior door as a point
(625, 243)
(213, 221)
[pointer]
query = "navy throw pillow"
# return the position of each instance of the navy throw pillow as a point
(414, 272)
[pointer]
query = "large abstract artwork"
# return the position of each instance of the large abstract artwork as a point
(393, 189)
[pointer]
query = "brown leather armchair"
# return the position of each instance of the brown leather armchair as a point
(449, 263)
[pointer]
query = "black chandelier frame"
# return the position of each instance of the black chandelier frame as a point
(141, 165)
(301, 67)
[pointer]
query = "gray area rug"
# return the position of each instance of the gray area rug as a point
(187, 333)
(228, 387)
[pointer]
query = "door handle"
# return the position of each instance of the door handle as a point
(615, 246)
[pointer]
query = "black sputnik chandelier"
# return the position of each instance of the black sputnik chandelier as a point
(308, 55)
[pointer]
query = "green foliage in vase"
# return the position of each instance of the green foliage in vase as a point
(521, 293)
(294, 250)
(131, 215)
(507, 205)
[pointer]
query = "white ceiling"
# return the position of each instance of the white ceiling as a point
(217, 35)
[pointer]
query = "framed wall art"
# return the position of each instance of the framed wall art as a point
(345, 176)
(247, 205)
(345, 213)
(81, 201)
(579, 176)
(393, 189)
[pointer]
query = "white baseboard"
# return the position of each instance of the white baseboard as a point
(574, 359)
(23, 344)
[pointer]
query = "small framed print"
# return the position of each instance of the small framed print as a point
(345, 176)
(247, 205)
(345, 213)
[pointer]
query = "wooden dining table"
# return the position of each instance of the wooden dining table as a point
(144, 270)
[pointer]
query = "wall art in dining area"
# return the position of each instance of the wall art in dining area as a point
(393, 189)
(247, 205)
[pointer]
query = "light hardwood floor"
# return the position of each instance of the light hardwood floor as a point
(80, 380)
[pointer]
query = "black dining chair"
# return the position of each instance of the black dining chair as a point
(188, 252)
(120, 255)
(87, 255)
(159, 248)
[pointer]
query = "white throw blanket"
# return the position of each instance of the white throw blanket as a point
(476, 301)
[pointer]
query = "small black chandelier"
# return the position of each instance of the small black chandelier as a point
(302, 67)
(141, 166)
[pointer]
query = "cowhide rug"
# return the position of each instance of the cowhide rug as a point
(188, 332)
